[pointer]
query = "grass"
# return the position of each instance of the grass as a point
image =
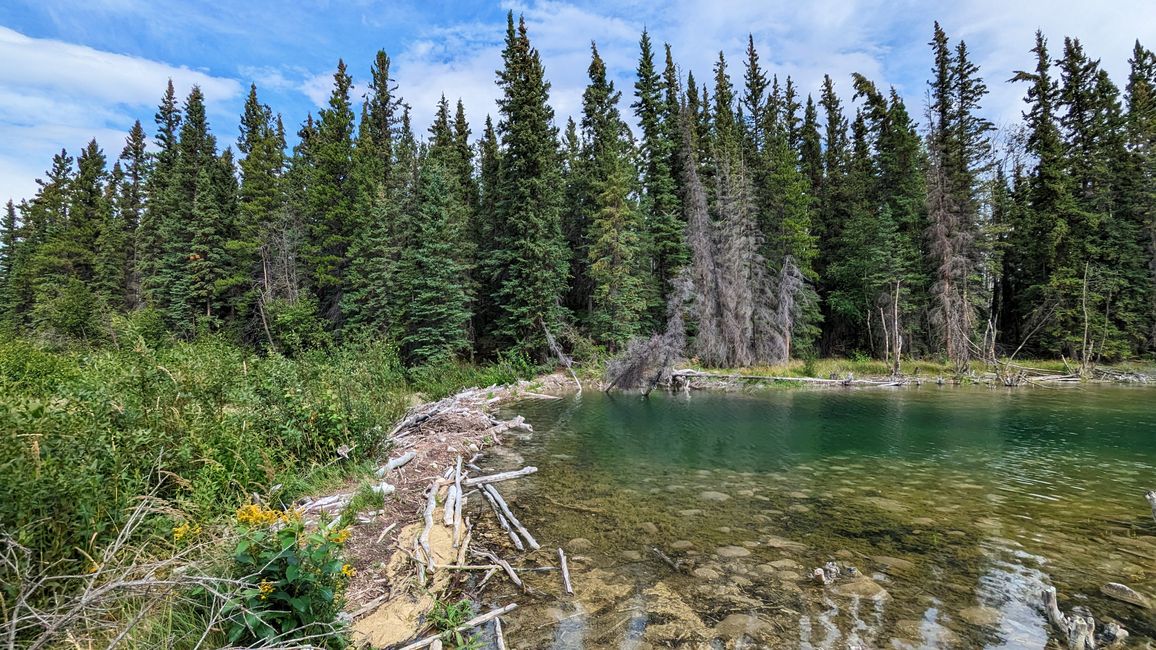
(200, 426)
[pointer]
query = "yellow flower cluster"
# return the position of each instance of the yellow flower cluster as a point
(258, 515)
(341, 536)
(266, 588)
(348, 571)
(185, 530)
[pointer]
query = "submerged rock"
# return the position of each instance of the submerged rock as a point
(682, 545)
(981, 616)
(706, 573)
(648, 527)
(894, 563)
(737, 626)
(710, 495)
(1126, 594)
(860, 586)
(732, 551)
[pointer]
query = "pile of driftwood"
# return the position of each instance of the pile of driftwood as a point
(452, 491)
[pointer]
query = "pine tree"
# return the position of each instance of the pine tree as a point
(9, 242)
(614, 236)
(131, 209)
(331, 200)
(436, 306)
(659, 200)
(529, 261)
(1140, 195)
(162, 199)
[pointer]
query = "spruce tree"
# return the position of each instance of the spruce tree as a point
(529, 260)
(162, 199)
(614, 237)
(331, 200)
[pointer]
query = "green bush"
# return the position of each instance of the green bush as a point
(298, 580)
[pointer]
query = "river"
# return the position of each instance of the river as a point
(954, 505)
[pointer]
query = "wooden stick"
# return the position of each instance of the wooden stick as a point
(465, 544)
(385, 532)
(495, 478)
(565, 572)
(448, 508)
(507, 568)
(430, 504)
(530, 541)
(486, 578)
(501, 638)
(458, 503)
(503, 523)
(468, 625)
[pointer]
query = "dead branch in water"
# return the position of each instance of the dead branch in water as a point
(468, 625)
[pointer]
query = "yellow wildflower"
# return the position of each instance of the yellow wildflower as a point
(266, 588)
(182, 531)
(348, 571)
(341, 536)
(257, 515)
(93, 567)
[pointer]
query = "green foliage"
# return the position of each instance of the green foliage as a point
(364, 499)
(446, 615)
(446, 377)
(298, 580)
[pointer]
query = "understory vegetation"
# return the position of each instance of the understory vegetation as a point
(149, 444)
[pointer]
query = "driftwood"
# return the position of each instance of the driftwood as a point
(448, 508)
(458, 503)
(468, 625)
(385, 531)
(667, 559)
(499, 637)
(497, 478)
(430, 504)
(1080, 631)
(565, 572)
(461, 559)
(505, 567)
(502, 521)
(565, 360)
(395, 463)
(1151, 496)
(501, 427)
(530, 541)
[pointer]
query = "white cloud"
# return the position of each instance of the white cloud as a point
(56, 95)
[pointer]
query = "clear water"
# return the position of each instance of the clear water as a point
(960, 504)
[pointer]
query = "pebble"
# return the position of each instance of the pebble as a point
(706, 573)
(692, 512)
(981, 616)
(732, 551)
(785, 563)
(894, 563)
(648, 527)
(682, 545)
(923, 521)
(579, 545)
(798, 507)
(862, 587)
(632, 556)
(710, 495)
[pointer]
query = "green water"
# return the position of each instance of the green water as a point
(956, 505)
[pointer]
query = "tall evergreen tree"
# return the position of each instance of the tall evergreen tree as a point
(162, 199)
(529, 260)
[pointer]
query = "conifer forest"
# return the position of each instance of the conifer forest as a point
(785, 226)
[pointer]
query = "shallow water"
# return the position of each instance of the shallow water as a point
(956, 506)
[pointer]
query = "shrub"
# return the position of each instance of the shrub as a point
(297, 578)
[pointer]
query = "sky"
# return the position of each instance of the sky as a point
(72, 70)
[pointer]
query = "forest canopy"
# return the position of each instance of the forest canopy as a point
(763, 224)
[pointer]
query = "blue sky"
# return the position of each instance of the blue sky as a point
(72, 70)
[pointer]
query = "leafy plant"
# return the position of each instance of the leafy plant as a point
(446, 616)
(297, 575)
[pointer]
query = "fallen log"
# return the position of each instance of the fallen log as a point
(505, 567)
(498, 478)
(468, 625)
(459, 502)
(530, 541)
(395, 463)
(448, 508)
(1150, 495)
(499, 637)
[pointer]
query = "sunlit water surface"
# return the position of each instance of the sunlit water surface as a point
(957, 505)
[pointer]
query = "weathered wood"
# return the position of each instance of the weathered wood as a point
(385, 531)
(465, 544)
(468, 625)
(502, 521)
(497, 478)
(565, 572)
(430, 504)
(448, 508)
(499, 637)
(458, 503)
(850, 381)
(1150, 495)
(395, 463)
(530, 541)
(505, 567)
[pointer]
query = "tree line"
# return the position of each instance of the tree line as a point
(758, 223)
